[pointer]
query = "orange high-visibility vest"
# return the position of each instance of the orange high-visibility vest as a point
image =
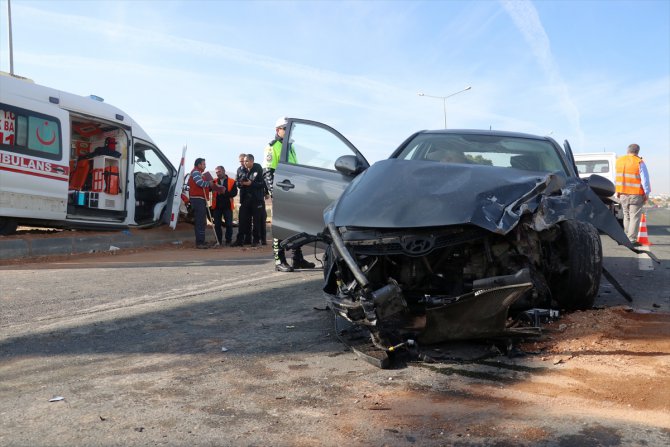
(628, 179)
(230, 182)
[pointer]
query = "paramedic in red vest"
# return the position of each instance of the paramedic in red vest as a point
(272, 154)
(632, 189)
(223, 204)
(198, 188)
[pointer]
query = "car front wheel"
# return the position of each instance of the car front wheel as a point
(580, 252)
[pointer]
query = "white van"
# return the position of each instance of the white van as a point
(601, 163)
(70, 161)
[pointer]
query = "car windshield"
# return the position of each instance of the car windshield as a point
(488, 150)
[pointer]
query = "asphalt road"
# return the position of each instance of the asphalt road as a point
(647, 281)
(177, 346)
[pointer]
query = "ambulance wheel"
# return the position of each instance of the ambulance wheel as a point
(7, 226)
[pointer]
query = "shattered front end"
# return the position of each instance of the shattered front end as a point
(428, 285)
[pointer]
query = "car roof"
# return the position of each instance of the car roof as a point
(501, 133)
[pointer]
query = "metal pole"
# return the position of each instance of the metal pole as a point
(444, 101)
(11, 46)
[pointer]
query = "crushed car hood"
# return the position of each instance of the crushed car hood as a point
(412, 194)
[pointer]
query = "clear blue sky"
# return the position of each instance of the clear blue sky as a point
(217, 74)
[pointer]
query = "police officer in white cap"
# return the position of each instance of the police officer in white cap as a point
(272, 154)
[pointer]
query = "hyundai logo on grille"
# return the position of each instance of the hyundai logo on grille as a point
(417, 245)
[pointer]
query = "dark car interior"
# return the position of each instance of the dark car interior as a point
(525, 162)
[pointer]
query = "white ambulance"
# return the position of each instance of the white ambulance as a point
(70, 161)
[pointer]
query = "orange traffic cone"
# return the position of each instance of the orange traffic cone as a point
(642, 237)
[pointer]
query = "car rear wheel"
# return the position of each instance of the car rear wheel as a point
(581, 255)
(7, 226)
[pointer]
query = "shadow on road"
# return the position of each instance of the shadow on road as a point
(267, 321)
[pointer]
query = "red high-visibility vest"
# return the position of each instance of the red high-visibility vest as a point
(628, 180)
(193, 189)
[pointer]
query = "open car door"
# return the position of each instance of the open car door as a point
(304, 189)
(571, 157)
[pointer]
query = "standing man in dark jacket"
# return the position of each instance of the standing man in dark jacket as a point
(241, 169)
(241, 174)
(252, 202)
(223, 205)
(198, 189)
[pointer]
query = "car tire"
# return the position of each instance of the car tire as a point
(582, 255)
(7, 226)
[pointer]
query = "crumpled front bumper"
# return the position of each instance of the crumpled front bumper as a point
(477, 314)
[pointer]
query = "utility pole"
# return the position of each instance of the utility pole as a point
(11, 46)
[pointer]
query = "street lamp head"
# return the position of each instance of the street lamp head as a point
(444, 100)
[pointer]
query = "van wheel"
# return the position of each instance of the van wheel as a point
(581, 255)
(7, 226)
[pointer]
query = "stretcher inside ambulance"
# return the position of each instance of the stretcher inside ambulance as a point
(76, 162)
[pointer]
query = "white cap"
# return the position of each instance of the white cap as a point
(281, 122)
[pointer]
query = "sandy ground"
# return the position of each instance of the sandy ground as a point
(594, 378)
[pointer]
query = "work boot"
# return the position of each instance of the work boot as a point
(302, 263)
(283, 267)
(280, 259)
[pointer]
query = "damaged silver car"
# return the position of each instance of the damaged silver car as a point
(442, 239)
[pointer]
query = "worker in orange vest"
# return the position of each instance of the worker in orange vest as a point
(632, 189)
(223, 205)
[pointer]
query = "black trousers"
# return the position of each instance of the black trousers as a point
(258, 220)
(244, 223)
(223, 215)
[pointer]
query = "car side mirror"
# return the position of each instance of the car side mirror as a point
(602, 186)
(348, 165)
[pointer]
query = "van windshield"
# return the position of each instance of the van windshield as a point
(593, 166)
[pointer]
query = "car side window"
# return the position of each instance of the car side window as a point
(316, 147)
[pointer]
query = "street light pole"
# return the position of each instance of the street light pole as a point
(11, 46)
(444, 100)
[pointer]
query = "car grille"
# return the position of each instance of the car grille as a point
(411, 242)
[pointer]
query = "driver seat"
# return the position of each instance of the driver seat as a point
(525, 162)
